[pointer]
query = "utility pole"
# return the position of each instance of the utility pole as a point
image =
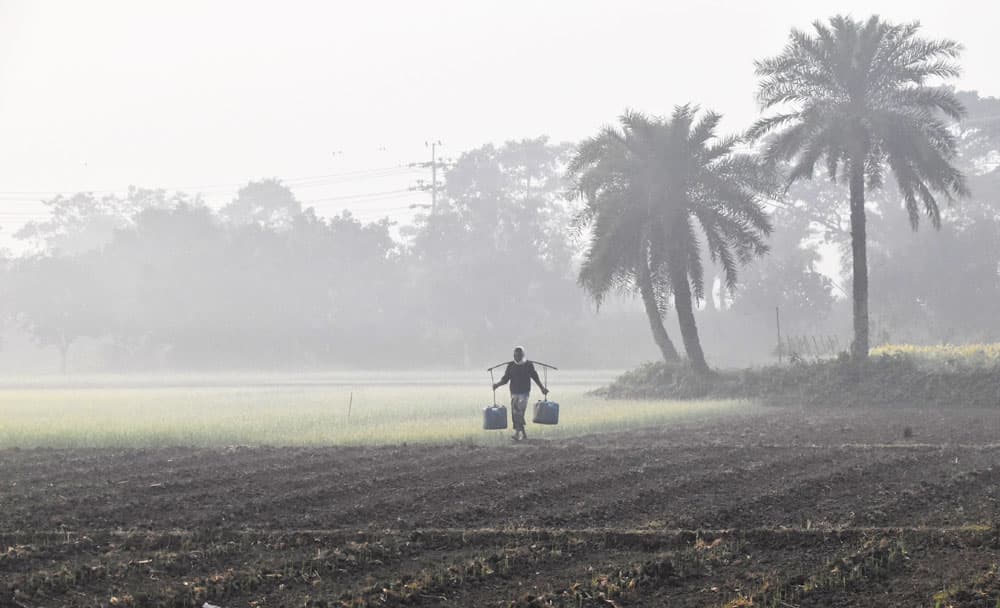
(777, 322)
(421, 184)
(434, 175)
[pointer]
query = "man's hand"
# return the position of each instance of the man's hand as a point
(545, 391)
(496, 386)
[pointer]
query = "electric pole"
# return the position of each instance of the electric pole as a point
(434, 175)
(421, 185)
(777, 322)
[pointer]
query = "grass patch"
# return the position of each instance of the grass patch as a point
(303, 414)
(884, 380)
(945, 355)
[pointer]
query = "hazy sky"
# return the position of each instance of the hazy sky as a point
(205, 95)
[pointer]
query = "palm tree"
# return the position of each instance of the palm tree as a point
(649, 186)
(855, 96)
(619, 253)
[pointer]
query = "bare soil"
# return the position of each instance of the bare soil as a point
(780, 507)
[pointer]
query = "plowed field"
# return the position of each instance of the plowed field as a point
(776, 508)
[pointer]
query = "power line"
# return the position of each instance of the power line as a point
(347, 176)
(359, 197)
(433, 164)
(25, 206)
(368, 212)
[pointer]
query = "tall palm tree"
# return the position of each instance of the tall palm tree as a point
(855, 96)
(619, 254)
(654, 188)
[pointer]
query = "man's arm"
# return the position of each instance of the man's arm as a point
(538, 381)
(505, 379)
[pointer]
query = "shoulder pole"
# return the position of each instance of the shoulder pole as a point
(489, 369)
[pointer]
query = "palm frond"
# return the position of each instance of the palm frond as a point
(858, 92)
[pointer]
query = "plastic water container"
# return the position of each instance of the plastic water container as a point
(495, 417)
(546, 412)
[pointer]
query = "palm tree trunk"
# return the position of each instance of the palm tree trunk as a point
(660, 336)
(859, 253)
(685, 317)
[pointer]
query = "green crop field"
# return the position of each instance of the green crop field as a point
(343, 409)
(971, 355)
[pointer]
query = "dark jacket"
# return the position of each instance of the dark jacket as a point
(520, 377)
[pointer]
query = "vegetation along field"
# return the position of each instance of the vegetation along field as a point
(269, 497)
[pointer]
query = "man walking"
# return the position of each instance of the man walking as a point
(520, 372)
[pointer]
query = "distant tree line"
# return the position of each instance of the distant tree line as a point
(158, 280)
(660, 215)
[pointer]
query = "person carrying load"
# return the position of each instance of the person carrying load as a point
(520, 372)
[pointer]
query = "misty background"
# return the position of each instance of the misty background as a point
(238, 185)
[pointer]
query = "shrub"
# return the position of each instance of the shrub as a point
(884, 380)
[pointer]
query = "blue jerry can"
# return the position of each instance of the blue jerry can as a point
(495, 417)
(546, 412)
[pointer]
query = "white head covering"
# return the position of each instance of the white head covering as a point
(524, 359)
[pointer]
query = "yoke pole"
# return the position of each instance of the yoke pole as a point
(546, 365)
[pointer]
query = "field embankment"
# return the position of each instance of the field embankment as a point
(945, 378)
